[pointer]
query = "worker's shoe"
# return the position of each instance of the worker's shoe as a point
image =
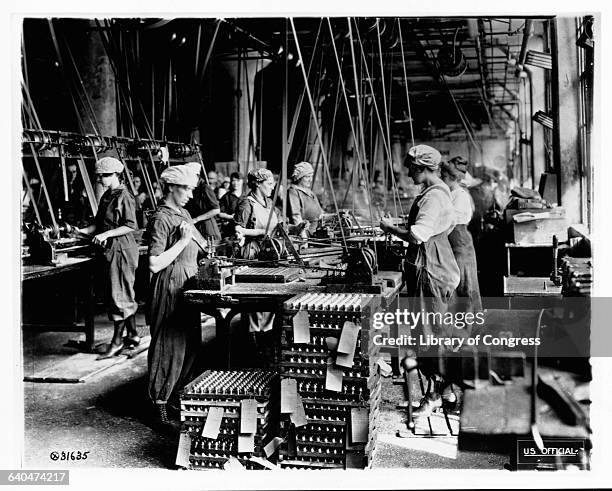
(167, 425)
(113, 350)
(132, 338)
(429, 404)
(162, 413)
(132, 341)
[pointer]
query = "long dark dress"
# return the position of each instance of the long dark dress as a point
(251, 213)
(467, 298)
(174, 333)
(119, 258)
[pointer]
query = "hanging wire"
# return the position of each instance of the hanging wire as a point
(348, 109)
(399, 26)
(62, 69)
(460, 112)
(360, 118)
(386, 142)
(314, 116)
(89, 106)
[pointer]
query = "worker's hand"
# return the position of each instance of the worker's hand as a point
(385, 224)
(186, 230)
(100, 239)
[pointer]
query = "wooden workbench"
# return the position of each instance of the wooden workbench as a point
(530, 286)
(79, 268)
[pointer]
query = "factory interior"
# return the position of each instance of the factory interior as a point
(217, 214)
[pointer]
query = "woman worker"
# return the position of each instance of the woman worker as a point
(430, 267)
(468, 293)
(204, 208)
(172, 261)
(303, 205)
(113, 226)
(256, 217)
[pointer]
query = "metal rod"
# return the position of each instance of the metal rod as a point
(42, 184)
(523, 53)
(314, 116)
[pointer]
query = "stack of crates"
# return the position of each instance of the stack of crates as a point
(226, 389)
(326, 441)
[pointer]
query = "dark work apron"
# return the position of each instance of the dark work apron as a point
(467, 298)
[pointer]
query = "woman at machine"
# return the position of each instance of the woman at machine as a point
(172, 261)
(112, 229)
(303, 204)
(256, 217)
(468, 293)
(204, 209)
(431, 271)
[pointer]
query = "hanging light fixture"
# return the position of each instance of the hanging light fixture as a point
(451, 59)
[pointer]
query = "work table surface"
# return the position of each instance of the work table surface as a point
(33, 271)
(269, 291)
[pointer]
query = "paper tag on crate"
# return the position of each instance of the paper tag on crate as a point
(348, 338)
(246, 443)
(248, 416)
(298, 416)
(183, 450)
(213, 423)
(288, 395)
(332, 343)
(345, 360)
(264, 463)
(360, 423)
(333, 377)
(272, 446)
(301, 328)
(233, 464)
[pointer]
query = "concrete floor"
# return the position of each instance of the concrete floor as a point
(110, 416)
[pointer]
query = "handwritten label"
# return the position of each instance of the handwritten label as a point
(298, 416)
(213, 423)
(360, 422)
(183, 451)
(248, 416)
(272, 446)
(301, 328)
(246, 443)
(288, 395)
(333, 377)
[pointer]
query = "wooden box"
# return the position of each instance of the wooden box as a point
(539, 231)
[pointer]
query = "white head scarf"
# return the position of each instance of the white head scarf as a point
(425, 156)
(300, 170)
(183, 175)
(107, 165)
